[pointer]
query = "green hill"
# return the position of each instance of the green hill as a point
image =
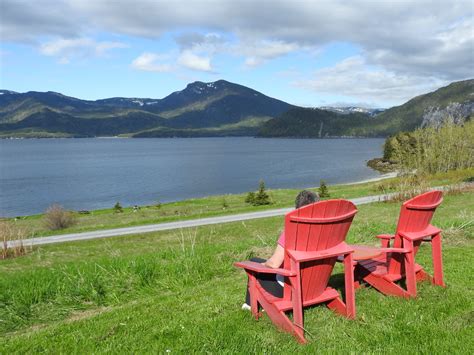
(409, 116)
(313, 123)
(456, 98)
(219, 108)
(202, 109)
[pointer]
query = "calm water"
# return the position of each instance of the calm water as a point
(96, 173)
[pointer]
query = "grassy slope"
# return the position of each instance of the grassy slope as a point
(212, 206)
(178, 291)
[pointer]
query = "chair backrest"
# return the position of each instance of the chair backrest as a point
(316, 227)
(415, 216)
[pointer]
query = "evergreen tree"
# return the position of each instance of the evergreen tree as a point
(261, 197)
(118, 208)
(250, 198)
(323, 189)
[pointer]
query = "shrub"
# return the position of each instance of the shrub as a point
(118, 208)
(260, 197)
(225, 204)
(408, 186)
(9, 232)
(250, 198)
(56, 217)
(433, 149)
(323, 189)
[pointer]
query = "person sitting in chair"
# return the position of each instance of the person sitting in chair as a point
(273, 283)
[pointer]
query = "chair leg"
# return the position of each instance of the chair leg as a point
(437, 260)
(410, 274)
(349, 286)
(422, 275)
(297, 301)
(253, 295)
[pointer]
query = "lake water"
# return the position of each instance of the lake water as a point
(96, 173)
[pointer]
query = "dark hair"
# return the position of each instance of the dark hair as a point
(306, 197)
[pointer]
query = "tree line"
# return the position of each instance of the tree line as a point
(433, 149)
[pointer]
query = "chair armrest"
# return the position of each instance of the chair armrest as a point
(262, 269)
(385, 236)
(426, 233)
(380, 250)
(393, 250)
(302, 256)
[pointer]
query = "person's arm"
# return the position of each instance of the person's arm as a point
(276, 259)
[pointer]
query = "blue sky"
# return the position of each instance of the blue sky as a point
(309, 53)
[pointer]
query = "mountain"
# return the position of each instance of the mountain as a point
(456, 100)
(313, 123)
(201, 109)
(344, 110)
(220, 108)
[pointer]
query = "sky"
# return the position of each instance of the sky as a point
(368, 53)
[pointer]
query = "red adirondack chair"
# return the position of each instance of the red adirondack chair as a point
(314, 238)
(398, 262)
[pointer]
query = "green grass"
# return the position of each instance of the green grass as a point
(178, 291)
(33, 226)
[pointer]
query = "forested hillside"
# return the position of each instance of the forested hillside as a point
(219, 108)
(456, 99)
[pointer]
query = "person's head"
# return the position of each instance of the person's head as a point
(305, 197)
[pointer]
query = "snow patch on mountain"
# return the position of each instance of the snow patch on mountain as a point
(352, 109)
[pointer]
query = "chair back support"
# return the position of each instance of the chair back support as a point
(415, 216)
(316, 227)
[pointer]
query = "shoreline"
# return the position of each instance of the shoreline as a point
(379, 178)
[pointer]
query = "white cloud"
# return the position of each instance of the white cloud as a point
(149, 62)
(161, 62)
(434, 36)
(450, 54)
(209, 42)
(356, 80)
(259, 52)
(67, 49)
(190, 60)
(406, 42)
(197, 50)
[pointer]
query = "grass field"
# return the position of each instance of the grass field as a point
(177, 291)
(34, 226)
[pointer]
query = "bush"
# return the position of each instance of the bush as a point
(56, 217)
(225, 204)
(323, 189)
(118, 208)
(432, 150)
(262, 198)
(259, 198)
(9, 232)
(250, 198)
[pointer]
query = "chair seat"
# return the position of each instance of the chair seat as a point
(378, 266)
(284, 305)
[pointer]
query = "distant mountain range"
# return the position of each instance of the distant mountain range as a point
(456, 98)
(344, 110)
(218, 108)
(201, 109)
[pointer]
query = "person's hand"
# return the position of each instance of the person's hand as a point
(277, 258)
